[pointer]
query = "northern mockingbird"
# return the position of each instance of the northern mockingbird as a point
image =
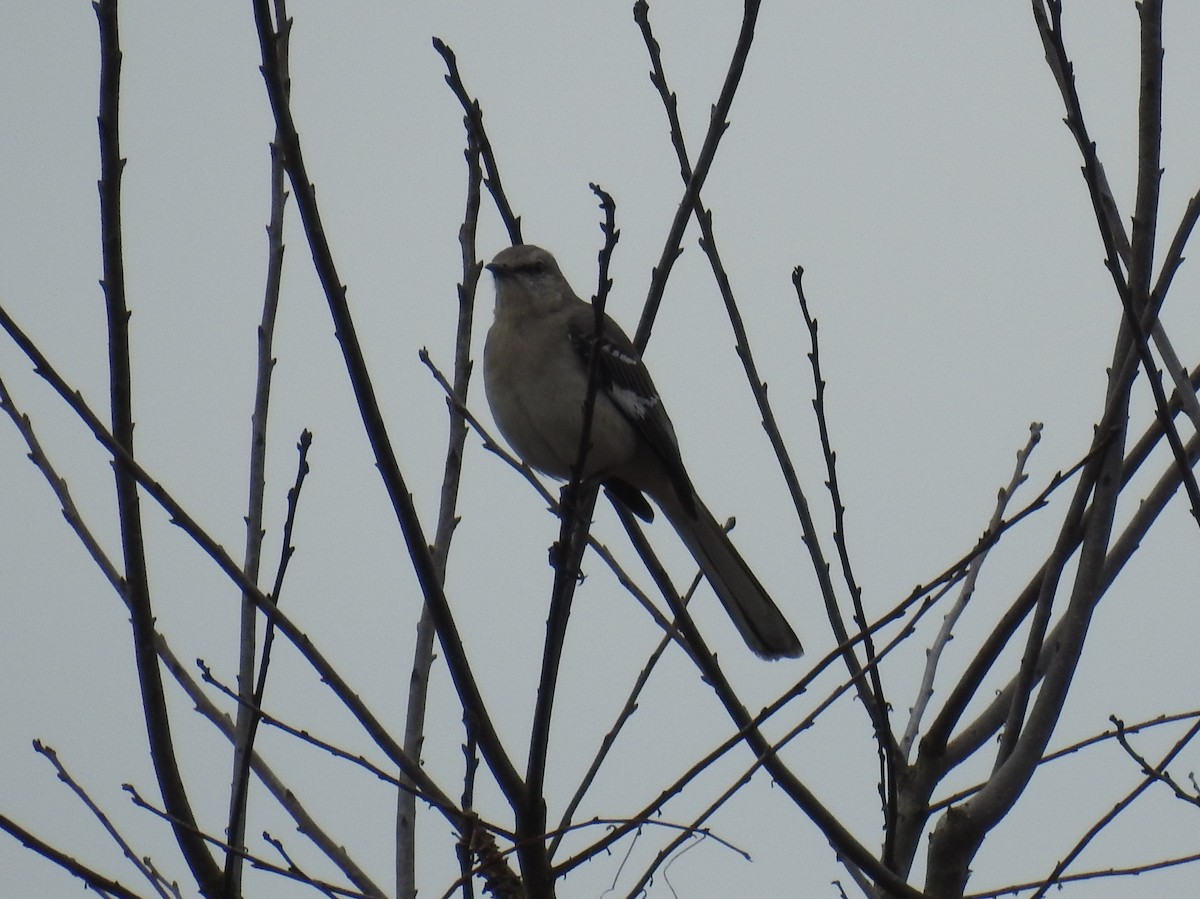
(535, 372)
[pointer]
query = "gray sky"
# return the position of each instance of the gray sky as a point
(910, 156)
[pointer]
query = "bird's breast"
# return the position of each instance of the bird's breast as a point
(537, 394)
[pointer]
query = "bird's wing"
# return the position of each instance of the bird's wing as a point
(624, 378)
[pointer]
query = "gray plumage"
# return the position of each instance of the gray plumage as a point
(535, 376)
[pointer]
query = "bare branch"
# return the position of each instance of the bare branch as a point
(286, 797)
(693, 177)
(1158, 772)
(293, 867)
(870, 688)
(1102, 873)
(372, 416)
(232, 570)
(126, 850)
(423, 650)
(243, 745)
(945, 634)
(63, 494)
(1151, 778)
(1072, 748)
(259, 863)
(577, 500)
(474, 123)
(874, 702)
(91, 878)
(154, 703)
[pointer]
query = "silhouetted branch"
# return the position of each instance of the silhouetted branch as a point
(946, 633)
(137, 585)
(260, 863)
(372, 417)
(577, 501)
(1102, 873)
(1056, 876)
(294, 868)
(693, 177)
(126, 850)
(283, 794)
(91, 878)
(179, 516)
(474, 123)
(1157, 772)
(447, 521)
(1077, 746)
(623, 717)
(256, 492)
(870, 688)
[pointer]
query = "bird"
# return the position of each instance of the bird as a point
(535, 369)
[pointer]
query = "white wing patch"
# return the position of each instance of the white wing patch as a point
(632, 403)
(617, 353)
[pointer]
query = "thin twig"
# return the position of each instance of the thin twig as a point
(693, 177)
(247, 713)
(946, 633)
(90, 878)
(256, 493)
(283, 794)
(447, 521)
(61, 491)
(623, 717)
(126, 850)
(286, 551)
(690, 832)
(1072, 748)
(474, 122)
(1159, 772)
(293, 867)
(256, 861)
(1102, 873)
(463, 846)
(1055, 876)
(626, 827)
(870, 689)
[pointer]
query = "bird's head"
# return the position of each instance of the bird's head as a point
(528, 275)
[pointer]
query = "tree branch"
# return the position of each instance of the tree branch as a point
(154, 702)
(402, 503)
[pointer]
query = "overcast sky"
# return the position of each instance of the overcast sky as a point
(910, 156)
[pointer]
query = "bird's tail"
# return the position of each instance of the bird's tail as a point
(758, 619)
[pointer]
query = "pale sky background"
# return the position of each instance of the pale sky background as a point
(911, 156)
